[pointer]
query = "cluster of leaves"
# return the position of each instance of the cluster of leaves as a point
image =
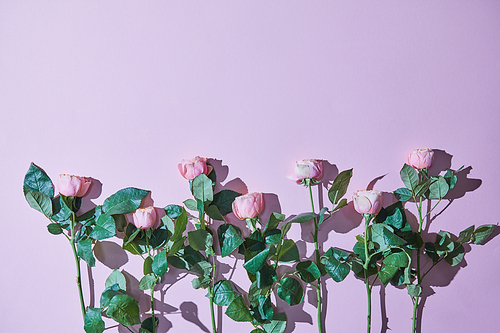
(116, 304)
(420, 186)
(85, 230)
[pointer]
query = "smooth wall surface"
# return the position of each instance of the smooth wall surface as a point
(121, 91)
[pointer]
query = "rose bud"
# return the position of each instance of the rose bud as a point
(421, 158)
(145, 218)
(367, 201)
(248, 206)
(310, 168)
(73, 186)
(192, 167)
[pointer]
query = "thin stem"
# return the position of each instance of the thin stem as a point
(369, 298)
(153, 307)
(317, 251)
(128, 328)
(367, 282)
(211, 293)
(77, 261)
(414, 321)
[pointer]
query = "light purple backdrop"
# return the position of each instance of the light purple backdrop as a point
(122, 90)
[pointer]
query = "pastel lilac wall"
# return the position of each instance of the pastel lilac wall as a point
(122, 90)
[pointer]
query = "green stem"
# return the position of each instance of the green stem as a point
(369, 298)
(317, 251)
(367, 283)
(414, 321)
(153, 307)
(211, 293)
(77, 261)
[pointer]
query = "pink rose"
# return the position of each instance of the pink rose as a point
(248, 206)
(73, 186)
(192, 167)
(367, 201)
(421, 158)
(310, 168)
(145, 218)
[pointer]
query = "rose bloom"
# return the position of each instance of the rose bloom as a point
(310, 168)
(421, 158)
(73, 186)
(192, 167)
(248, 206)
(145, 218)
(367, 201)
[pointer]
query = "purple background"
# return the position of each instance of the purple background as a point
(123, 90)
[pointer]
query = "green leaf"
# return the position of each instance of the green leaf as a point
(272, 236)
(386, 273)
(481, 234)
(54, 228)
(399, 259)
(116, 277)
(257, 330)
(93, 321)
(321, 215)
(200, 239)
(39, 201)
(455, 257)
(36, 180)
(147, 325)
(159, 265)
(336, 269)
(203, 188)
(274, 221)
(403, 194)
(173, 211)
(339, 186)
(409, 176)
(341, 204)
(213, 212)
(124, 309)
(277, 325)
(443, 243)
(224, 201)
(414, 290)
(238, 310)
(465, 235)
(288, 251)
(105, 228)
(180, 225)
(266, 276)
(384, 236)
(308, 271)
(148, 281)
(224, 293)
(438, 188)
(303, 217)
(147, 266)
(84, 251)
(191, 204)
(124, 201)
(108, 294)
(290, 290)
(257, 262)
(229, 239)
(265, 308)
(422, 188)
(60, 211)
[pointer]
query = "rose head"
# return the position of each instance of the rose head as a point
(73, 186)
(421, 158)
(145, 218)
(192, 167)
(310, 168)
(248, 206)
(367, 201)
